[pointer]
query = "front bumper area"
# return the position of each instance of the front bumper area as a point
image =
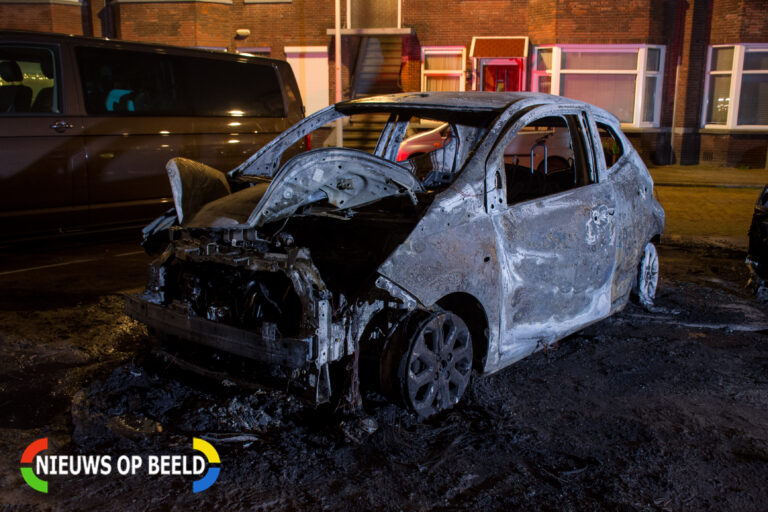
(175, 320)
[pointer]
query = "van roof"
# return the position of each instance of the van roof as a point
(27, 36)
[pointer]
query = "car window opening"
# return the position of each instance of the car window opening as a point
(546, 157)
(612, 149)
(27, 80)
(428, 147)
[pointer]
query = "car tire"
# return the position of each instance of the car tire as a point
(427, 364)
(647, 276)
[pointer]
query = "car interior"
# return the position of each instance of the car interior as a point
(542, 159)
(26, 80)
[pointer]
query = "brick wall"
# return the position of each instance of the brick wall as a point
(726, 21)
(652, 145)
(435, 25)
(300, 23)
(64, 19)
(734, 150)
(754, 22)
(168, 23)
(685, 27)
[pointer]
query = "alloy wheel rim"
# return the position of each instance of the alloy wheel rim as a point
(649, 273)
(439, 364)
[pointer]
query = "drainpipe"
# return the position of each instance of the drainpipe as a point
(337, 57)
(682, 5)
(674, 115)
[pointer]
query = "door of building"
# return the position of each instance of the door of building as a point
(503, 78)
(310, 66)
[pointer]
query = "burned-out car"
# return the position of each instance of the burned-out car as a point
(757, 257)
(521, 228)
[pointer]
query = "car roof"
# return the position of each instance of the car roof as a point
(479, 102)
(465, 100)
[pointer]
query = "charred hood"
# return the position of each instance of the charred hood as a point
(340, 178)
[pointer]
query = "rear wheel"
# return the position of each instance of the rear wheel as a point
(428, 363)
(647, 276)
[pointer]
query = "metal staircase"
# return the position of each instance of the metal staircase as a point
(377, 71)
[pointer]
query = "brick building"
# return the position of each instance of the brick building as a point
(687, 78)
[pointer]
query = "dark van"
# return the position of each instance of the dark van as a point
(87, 125)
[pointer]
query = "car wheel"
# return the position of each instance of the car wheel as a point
(647, 276)
(428, 363)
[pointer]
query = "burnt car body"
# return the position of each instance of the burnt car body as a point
(757, 257)
(467, 258)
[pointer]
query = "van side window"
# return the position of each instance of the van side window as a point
(117, 82)
(611, 143)
(223, 88)
(28, 81)
(546, 157)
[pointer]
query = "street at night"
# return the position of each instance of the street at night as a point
(385, 255)
(647, 410)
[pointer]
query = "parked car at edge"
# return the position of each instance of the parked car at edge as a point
(463, 259)
(757, 257)
(86, 125)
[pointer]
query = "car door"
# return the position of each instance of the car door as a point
(41, 143)
(554, 223)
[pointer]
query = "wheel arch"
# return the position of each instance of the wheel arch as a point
(473, 313)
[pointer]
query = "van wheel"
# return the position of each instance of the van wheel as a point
(428, 363)
(647, 276)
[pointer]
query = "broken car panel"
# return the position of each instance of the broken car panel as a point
(517, 230)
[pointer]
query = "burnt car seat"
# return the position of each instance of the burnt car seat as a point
(13, 97)
(523, 183)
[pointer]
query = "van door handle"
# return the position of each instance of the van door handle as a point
(61, 126)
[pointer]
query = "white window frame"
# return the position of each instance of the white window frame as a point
(641, 74)
(444, 50)
(736, 72)
(260, 51)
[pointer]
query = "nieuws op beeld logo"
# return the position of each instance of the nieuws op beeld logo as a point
(35, 465)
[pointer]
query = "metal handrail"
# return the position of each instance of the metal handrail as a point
(533, 149)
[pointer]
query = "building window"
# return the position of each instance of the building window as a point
(736, 94)
(442, 68)
(625, 80)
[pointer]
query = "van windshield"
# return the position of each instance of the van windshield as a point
(117, 82)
